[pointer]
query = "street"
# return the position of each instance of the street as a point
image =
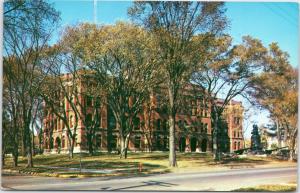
(196, 181)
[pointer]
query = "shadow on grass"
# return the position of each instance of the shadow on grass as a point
(242, 161)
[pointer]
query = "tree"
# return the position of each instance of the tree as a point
(275, 89)
(62, 90)
(27, 29)
(226, 73)
(11, 111)
(174, 24)
(119, 60)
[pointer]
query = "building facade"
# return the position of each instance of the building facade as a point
(193, 129)
(233, 114)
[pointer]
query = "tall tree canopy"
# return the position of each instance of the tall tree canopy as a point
(121, 60)
(173, 25)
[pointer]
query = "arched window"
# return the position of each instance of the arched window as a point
(238, 146)
(234, 147)
(57, 143)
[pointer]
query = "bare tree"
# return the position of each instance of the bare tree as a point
(27, 29)
(61, 90)
(225, 73)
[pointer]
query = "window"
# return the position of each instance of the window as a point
(58, 123)
(194, 111)
(234, 134)
(236, 120)
(54, 125)
(158, 100)
(71, 121)
(234, 146)
(137, 142)
(63, 142)
(89, 101)
(98, 102)
(180, 124)
(158, 124)
(205, 127)
(238, 146)
(111, 122)
(136, 123)
(88, 120)
(164, 126)
(98, 121)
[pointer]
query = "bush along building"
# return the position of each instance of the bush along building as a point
(150, 131)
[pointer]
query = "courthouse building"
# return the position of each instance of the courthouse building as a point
(193, 125)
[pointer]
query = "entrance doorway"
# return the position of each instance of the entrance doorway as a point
(182, 144)
(193, 144)
(204, 145)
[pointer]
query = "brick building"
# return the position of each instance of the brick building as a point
(233, 115)
(193, 126)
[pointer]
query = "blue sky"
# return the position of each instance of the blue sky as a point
(269, 22)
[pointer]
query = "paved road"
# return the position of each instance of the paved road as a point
(210, 181)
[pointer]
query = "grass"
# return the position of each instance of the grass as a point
(269, 188)
(155, 162)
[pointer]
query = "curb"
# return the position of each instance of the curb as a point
(44, 174)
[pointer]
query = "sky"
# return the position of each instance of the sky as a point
(267, 21)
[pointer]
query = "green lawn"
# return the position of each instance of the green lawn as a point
(106, 164)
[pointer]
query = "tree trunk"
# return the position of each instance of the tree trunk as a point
(292, 146)
(278, 133)
(28, 146)
(90, 144)
(3, 158)
(172, 111)
(29, 155)
(71, 148)
(172, 152)
(33, 144)
(15, 159)
(215, 139)
(124, 146)
(23, 146)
